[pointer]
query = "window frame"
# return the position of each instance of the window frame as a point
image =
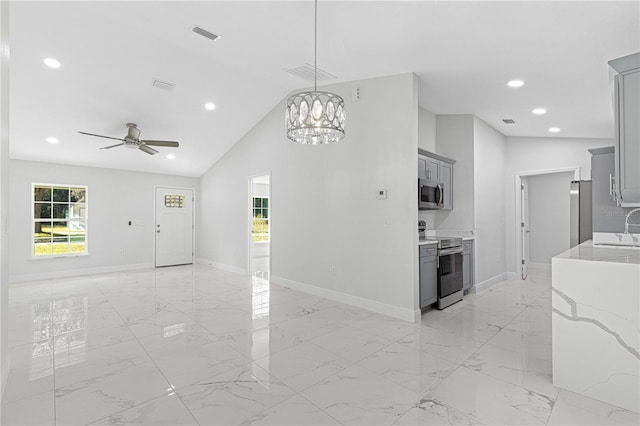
(32, 220)
(253, 197)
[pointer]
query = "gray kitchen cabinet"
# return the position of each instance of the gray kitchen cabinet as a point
(422, 167)
(433, 169)
(627, 111)
(606, 216)
(428, 275)
(446, 174)
(467, 264)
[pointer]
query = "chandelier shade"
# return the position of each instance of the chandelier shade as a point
(315, 118)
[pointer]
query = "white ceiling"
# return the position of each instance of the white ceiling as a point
(463, 52)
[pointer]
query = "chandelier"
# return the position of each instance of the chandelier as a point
(313, 117)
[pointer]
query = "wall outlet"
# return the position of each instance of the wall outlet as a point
(382, 194)
(333, 270)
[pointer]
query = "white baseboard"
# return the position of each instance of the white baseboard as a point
(4, 374)
(77, 272)
(349, 299)
(222, 266)
(540, 266)
(491, 282)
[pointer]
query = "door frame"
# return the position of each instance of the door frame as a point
(193, 218)
(517, 201)
(250, 217)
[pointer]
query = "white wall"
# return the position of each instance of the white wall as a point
(454, 134)
(329, 231)
(4, 192)
(489, 152)
(540, 154)
(114, 196)
(426, 130)
(549, 214)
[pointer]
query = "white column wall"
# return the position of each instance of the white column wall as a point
(330, 233)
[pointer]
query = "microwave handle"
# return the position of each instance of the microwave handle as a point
(441, 194)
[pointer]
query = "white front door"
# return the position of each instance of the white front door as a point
(524, 225)
(174, 226)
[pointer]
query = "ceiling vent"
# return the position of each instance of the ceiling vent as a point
(305, 72)
(509, 121)
(163, 85)
(204, 33)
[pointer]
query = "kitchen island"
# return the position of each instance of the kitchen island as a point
(595, 323)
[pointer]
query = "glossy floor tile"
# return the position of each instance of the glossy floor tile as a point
(194, 345)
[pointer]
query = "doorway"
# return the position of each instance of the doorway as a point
(174, 226)
(542, 216)
(260, 226)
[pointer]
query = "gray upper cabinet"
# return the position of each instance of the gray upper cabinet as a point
(437, 168)
(433, 169)
(607, 216)
(446, 177)
(422, 167)
(627, 111)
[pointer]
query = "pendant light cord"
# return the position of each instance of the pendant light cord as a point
(315, 48)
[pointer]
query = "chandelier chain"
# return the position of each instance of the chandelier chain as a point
(315, 47)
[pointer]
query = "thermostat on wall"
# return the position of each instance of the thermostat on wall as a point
(382, 194)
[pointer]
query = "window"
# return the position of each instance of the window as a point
(174, 201)
(260, 223)
(59, 220)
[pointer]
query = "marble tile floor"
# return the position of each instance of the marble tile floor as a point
(195, 345)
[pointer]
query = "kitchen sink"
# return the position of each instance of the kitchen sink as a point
(616, 240)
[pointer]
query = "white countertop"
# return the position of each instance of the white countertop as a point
(465, 235)
(422, 242)
(587, 251)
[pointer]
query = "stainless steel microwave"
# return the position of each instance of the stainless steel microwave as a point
(430, 195)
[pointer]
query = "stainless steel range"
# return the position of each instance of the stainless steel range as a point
(449, 271)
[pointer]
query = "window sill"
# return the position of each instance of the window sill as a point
(58, 256)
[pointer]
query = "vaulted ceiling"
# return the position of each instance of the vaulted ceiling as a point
(463, 52)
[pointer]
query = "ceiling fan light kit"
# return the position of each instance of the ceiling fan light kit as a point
(132, 140)
(313, 117)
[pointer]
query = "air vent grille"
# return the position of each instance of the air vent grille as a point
(163, 85)
(305, 72)
(509, 121)
(204, 33)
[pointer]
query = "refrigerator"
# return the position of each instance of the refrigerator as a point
(581, 228)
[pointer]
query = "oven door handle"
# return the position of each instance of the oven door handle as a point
(441, 195)
(447, 252)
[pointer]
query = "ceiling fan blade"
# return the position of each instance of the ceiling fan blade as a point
(112, 146)
(100, 136)
(147, 149)
(162, 143)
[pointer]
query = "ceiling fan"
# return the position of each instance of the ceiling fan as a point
(132, 140)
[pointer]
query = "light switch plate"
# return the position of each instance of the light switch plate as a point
(382, 194)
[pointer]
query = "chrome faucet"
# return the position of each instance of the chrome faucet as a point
(626, 220)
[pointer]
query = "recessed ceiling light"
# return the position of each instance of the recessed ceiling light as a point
(171, 156)
(539, 111)
(52, 140)
(51, 63)
(210, 106)
(515, 83)
(554, 129)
